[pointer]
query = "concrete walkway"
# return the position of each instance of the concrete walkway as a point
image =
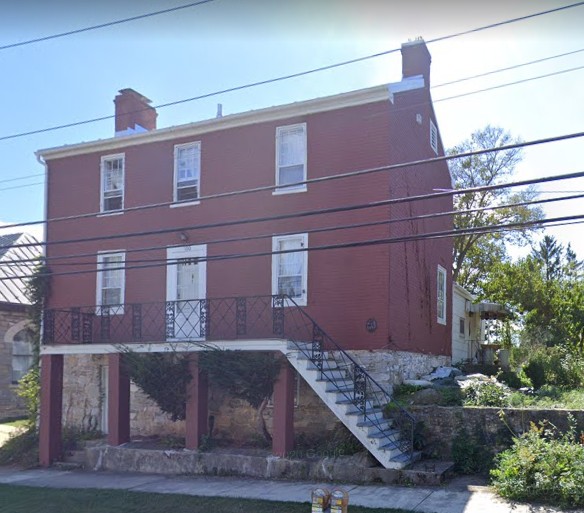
(6, 432)
(455, 497)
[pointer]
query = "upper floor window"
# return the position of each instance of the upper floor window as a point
(441, 295)
(290, 158)
(111, 282)
(290, 267)
(187, 171)
(112, 183)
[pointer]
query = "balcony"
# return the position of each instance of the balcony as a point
(197, 320)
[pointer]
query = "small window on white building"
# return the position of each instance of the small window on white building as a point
(290, 267)
(22, 356)
(112, 183)
(441, 295)
(187, 171)
(290, 158)
(434, 137)
(111, 282)
(461, 324)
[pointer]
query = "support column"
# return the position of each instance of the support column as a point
(197, 413)
(283, 424)
(51, 409)
(118, 401)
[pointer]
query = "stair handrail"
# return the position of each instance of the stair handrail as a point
(407, 445)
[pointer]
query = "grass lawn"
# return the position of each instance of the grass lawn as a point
(22, 499)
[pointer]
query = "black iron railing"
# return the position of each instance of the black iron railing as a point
(255, 317)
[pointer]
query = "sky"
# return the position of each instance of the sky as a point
(225, 43)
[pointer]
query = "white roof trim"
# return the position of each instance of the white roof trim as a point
(339, 101)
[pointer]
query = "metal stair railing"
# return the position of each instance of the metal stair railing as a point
(357, 387)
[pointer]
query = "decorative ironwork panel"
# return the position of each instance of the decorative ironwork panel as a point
(48, 327)
(87, 328)
(240, 316)
(359, 388)
(105, 323)
(137, 322)
(75, 324)
(317, 342)
(205, 318)
(278, 315)
(169, 318)
(405, 424)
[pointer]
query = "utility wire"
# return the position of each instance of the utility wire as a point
(336, 227)
(103, 25)
(345, 245)
(350, 174)
(306, 213)
(409, 106)
(294, 75)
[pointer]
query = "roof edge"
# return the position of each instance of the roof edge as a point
(312, 106)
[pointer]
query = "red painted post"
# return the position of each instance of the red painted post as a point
(283, 424)
(118, 401)
(196, 424)
(51, 409)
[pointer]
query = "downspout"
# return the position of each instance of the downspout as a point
(44, 239)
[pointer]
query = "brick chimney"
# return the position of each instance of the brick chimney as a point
(416, 60)
(133, 112)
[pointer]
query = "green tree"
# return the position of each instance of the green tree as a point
(476, 253)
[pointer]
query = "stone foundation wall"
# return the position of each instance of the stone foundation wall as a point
(393, 367)
(84, 401)
(443, 424)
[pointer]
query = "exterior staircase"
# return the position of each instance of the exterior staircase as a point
(357, 401)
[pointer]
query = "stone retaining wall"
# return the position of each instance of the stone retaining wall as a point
(443, 424)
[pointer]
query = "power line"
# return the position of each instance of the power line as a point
(345, 245)
(293, 75)
(104, 25)
(308, 213)
(21, 178)
(350, 174)
(508, 68)
(336, 227)
(21, 186)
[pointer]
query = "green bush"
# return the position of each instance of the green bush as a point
(512, 379)
(470, 453)
(542, 465)
(554, 366)
(485, 393)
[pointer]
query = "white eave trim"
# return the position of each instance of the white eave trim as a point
(327, 103)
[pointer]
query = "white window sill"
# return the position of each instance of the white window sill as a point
(442, 321)
(108, 214)
(179, 204)
(288, 190)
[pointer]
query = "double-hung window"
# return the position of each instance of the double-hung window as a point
(187, 171)
(441, 295)
(22, 355)
(290, 158)
(112, 183)
(110, 282)
(290, 267)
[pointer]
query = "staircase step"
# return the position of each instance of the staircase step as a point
(392, 434)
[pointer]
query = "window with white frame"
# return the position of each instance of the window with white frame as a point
(290, 267)
(187, 171)
(291, 157)
(111, 282)
(22, 357)
(112, 183)
(441, 295)
(434, 137)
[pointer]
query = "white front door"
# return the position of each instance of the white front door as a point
(186, 292)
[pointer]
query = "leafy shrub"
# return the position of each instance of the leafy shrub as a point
(554, 366)
(511, 379)
(485, 393)
(29, 388)
(451, 396)
(21, 449)
(469, 367)
(470, 453)
(542, 465)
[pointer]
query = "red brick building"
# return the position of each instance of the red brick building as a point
(163, 272)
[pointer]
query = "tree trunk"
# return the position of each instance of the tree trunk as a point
(262, 429)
